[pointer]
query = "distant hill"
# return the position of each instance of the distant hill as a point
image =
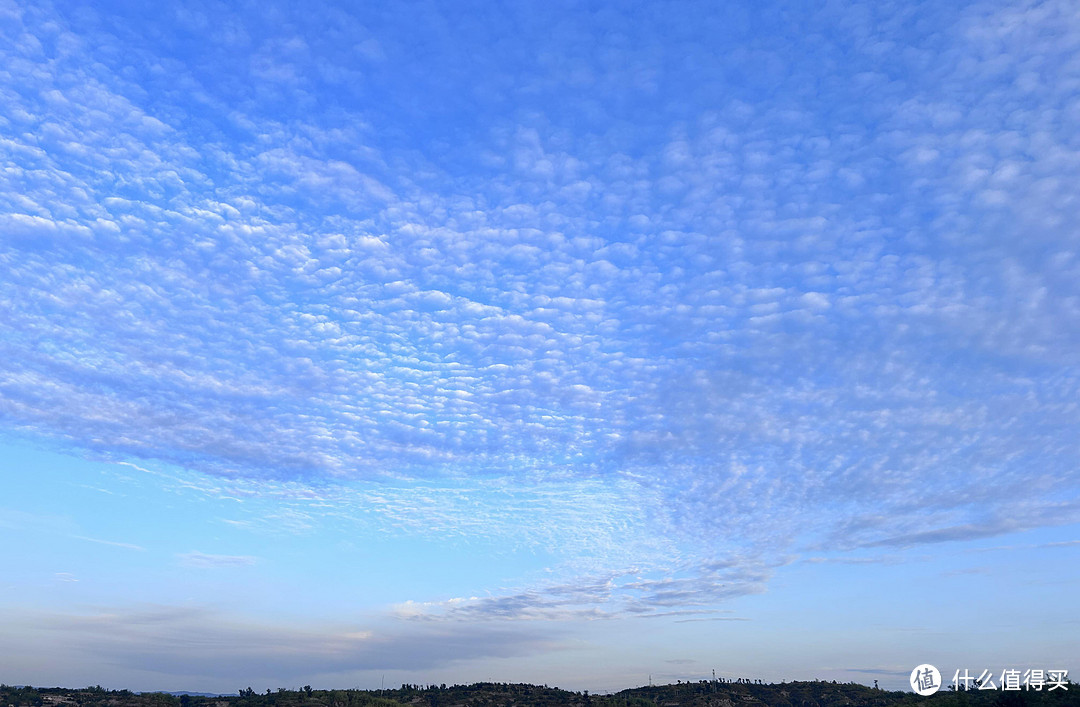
(690, 694)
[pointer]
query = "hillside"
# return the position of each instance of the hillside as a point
(699, 694)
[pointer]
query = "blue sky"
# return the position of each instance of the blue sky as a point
(556, 342)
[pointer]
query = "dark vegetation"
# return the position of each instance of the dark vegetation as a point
(687, 694)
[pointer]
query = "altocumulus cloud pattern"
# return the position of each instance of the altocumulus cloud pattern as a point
(677, 294)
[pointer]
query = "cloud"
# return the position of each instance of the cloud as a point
(586, 524)
(667, 312)
(1058, 545)
(1022, 516)
(620, 594)
(893, 671)
(198, 642)
(126, 546)
(205, 561)
(849, 560)
(51, 524)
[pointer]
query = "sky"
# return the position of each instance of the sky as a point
(561, 342)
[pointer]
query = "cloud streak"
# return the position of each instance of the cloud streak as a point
(171, 641)
(111, 543)
(202, 560)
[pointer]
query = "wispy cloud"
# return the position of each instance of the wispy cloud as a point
(854, 560)
(172, 641)
(891, 671)
(205, 561)
(616, 595)
(112, 543)
(50, 524)
(1057, 545)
